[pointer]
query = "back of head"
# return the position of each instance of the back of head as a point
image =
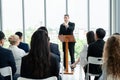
(39, 40)
(13, 39)
(43, 28)
(116, 33)
(39, 52)
(111, 55)
(2, 35)
(90, 37)
(100, 33)
(19, 34)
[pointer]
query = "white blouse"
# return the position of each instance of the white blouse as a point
(18, 54)
(83, 56)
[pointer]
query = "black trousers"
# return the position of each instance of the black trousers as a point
(71, 51)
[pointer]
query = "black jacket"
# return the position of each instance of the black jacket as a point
(7, 59)
(24, 46)
(54, 48)
(95, 49)
(68, 31)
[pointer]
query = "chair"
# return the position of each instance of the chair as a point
(93, 60)
(49, 78)
(6, 71)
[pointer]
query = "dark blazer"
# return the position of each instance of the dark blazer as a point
(95, 50)
(27, 68)
(24, 46)
(68, 31)
(1, 77)
(7, 59)
(55, 49)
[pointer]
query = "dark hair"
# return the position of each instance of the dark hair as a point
(43, 28)
(39, 52)
(19, 34)
(116, 33)
(2, 35)
(66, 15)
(90, 37)
(100, 32)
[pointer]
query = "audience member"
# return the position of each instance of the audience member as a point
(22, 45)
(95, 50)
(17, 52)
(6, 56)
(39, 63)
(83, 54)
(111, 59)
(54, 48)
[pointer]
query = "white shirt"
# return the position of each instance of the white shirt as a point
(18, 54)
(83, 56)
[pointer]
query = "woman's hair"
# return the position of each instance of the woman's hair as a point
(39, 52)
(43, 28)
(90, 37)
(111, 56)
(2, 35)
(13, 39)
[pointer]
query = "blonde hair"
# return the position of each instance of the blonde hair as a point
(111, 56)
(13, 39)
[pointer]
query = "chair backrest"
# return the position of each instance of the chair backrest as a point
(93, 60)
(49, 78)
(6, 71)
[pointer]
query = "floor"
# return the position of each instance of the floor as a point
(77, 75)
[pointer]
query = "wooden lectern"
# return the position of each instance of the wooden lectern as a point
(66, 39)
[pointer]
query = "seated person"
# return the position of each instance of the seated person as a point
(83, 54)
(111, 59)
(17, 52)
(22, 45)
(95, 49)
(40, 63)
(54, 48)
(6, 57)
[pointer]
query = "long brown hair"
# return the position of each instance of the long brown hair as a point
(111, 56)
(40, 53)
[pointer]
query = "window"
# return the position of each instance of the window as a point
(55, 15)
(34, 17)
(77, 10)
(12, 17)
(99, 15)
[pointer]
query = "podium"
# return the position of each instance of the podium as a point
(66, 39)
